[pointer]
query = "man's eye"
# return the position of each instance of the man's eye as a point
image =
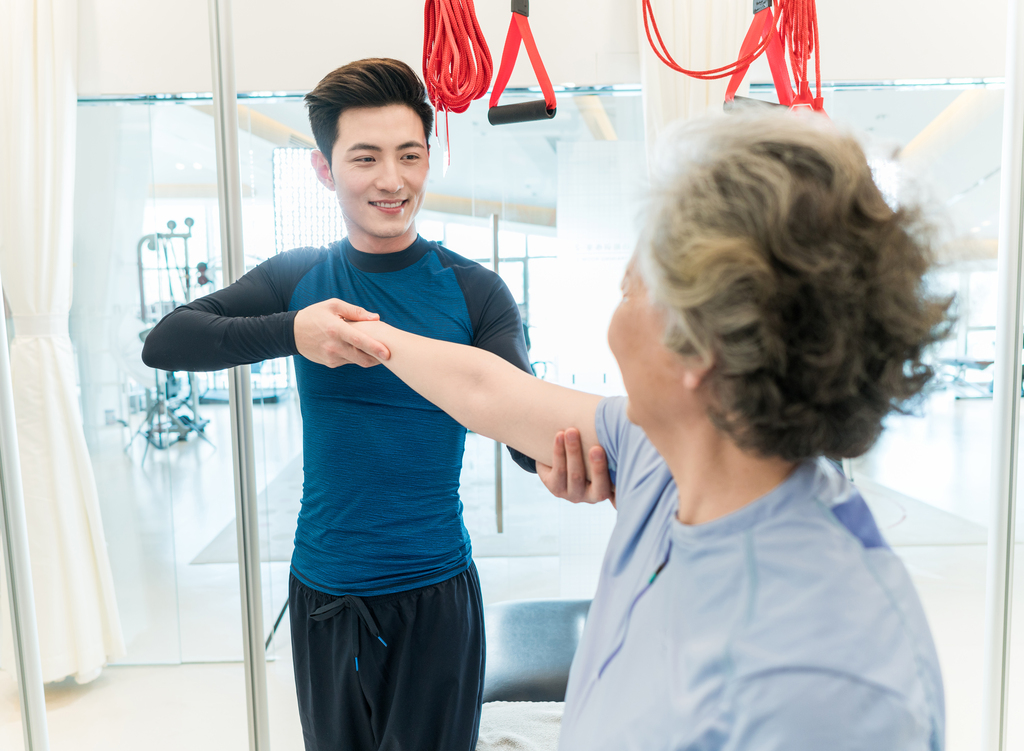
(364, 159)
(411, 156)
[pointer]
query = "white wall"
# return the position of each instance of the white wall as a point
(150, 46)
(137, 46)
(904, 39)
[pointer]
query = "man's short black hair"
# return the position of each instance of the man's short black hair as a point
(373, 82)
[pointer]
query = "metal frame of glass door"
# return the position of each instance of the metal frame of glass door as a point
(1007, 396)
(28, 668)
(229, 192)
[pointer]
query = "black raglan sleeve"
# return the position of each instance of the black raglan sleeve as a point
(497, 326)
(245, 322)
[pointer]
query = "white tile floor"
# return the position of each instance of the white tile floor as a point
(174, 612)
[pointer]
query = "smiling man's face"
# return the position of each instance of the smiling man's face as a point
(378, 170)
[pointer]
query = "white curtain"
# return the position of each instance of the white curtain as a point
(700, 35)
(79, 630)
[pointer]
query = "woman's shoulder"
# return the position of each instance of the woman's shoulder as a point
(631, 455)
(823, 566)
(831, 597)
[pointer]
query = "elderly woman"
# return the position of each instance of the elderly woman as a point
(773, 314)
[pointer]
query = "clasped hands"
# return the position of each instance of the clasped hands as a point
(323, 335)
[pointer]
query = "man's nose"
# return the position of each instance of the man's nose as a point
(389, 180)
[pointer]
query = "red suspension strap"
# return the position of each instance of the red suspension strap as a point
(747, 56)
(519, 31)
(793, 25)
(800, 28)
(456, 61)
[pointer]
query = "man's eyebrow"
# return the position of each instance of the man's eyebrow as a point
(378, 149)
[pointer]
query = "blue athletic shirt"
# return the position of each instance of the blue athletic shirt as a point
(788, 625)
(380, 500)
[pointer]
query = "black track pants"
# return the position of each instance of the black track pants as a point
(420, 692)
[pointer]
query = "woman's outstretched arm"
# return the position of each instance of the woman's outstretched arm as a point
(487, 394)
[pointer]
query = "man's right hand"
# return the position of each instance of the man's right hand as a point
(323, 335)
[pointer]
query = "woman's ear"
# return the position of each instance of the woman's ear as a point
(694, 373)
(692, 379)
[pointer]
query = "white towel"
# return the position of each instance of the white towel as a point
(520, 725)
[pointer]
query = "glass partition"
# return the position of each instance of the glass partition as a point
(566, 193)
(282, 208)
(927, 479)
(146, 241)
(1015, 692)
(566, 196)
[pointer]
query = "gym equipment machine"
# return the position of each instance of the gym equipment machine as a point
(171, 416)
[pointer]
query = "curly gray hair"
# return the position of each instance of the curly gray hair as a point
(779, 264)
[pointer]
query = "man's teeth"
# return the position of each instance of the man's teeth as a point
(383, 205)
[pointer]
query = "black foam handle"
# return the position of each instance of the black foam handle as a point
(521, 112)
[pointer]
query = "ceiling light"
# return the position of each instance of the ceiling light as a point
(197, 165)
(179, 165)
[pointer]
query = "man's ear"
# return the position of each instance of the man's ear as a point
(322, 169)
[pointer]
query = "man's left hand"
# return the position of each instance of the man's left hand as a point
(567, 477)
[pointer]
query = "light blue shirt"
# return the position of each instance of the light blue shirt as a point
(788, 625)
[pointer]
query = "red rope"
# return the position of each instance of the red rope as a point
(800, 30)
(456, 61)
(723, 72)
(796, 23)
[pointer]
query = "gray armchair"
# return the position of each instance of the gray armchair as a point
(530, 646)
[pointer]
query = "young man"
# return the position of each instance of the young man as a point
(386, 611)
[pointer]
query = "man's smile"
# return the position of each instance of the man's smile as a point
(389, 207)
